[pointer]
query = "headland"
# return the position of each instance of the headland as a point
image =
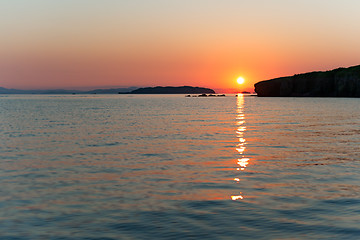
(340, 82)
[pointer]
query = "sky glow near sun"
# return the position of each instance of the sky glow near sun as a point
(72, 44)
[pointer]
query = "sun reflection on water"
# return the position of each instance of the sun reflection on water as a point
(237, 197)
(243, 161)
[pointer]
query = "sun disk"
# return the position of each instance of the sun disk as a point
(240, 80)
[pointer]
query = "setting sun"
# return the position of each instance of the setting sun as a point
(240, 80)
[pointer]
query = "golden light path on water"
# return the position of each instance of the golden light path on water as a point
(242, 161)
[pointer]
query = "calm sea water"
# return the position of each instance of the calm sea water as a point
(170, 167)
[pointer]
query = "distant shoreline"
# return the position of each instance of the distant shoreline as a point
(131, 90)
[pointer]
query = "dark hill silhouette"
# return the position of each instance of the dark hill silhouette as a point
(340, 82)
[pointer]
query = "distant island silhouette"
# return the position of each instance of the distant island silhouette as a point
(172, 90)
(130, 90)
(340, 82)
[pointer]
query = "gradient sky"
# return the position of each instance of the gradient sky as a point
(89, 44)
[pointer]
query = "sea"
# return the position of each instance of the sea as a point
(176, 167)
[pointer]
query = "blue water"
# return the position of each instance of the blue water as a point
(170, 167)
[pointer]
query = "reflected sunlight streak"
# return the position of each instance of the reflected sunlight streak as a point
(242, 162)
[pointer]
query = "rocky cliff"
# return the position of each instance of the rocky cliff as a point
(341, 82)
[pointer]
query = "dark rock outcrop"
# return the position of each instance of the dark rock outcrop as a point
(341, 82)
(172, 90)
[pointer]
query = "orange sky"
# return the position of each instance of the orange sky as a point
(82, 44)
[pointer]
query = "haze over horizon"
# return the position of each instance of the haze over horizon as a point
(207, 43)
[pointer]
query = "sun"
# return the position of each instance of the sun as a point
(240, 80)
